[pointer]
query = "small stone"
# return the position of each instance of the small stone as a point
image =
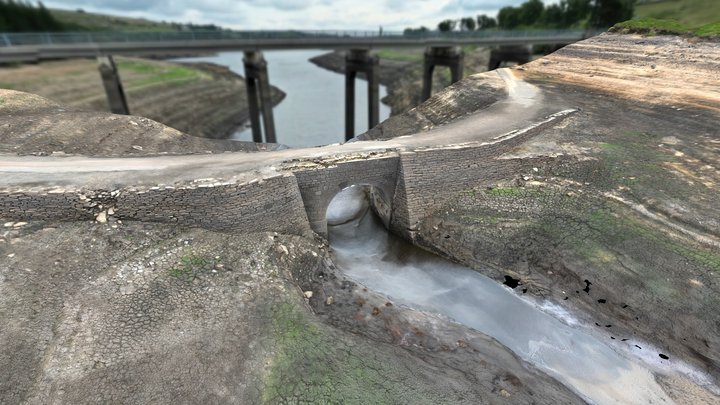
(8, 224)
(282, 249)
(101, 217)
(329, 300)
(11, 255)
(504, 393)
(19, 224)
(111, 211)
(137, 147)
(308, 294)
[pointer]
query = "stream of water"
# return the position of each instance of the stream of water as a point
(368, 254)
(313, 111)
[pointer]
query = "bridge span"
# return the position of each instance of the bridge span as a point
(286, 190)
(442, 49)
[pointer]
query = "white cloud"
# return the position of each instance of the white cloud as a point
(298, 14)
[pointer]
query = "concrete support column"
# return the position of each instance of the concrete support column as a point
(450, 56)
(509, 53)
(259, 96)
(361, 60)
(113, 85)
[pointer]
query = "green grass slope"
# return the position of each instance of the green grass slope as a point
(83, 21)
(693, 13)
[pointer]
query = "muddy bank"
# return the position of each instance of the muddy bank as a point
(32, 125)
(202, 99)
(138, 312)
(403, 78)
(612, 215)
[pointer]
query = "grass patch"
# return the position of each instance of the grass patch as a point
(190, 266)
(709, 30)
(401, 55)
(654, 26)
(513, 192)
(152, 73)
(693, 13)
(316, 364)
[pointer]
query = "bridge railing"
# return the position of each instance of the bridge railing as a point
(64, 38)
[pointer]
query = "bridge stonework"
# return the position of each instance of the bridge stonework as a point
(264, 205)
(319, 185)
(406, 187)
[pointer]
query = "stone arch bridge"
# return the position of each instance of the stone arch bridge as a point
(272, 194)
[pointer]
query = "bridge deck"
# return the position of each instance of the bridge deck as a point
(39, 46)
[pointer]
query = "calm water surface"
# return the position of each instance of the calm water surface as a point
(313, 112)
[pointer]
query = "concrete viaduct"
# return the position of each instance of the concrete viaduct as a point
(442, 49)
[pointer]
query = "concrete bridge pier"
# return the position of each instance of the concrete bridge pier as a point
(113, 85)
(510, 53)
(360, 60)
(450, 56)
(259, 96)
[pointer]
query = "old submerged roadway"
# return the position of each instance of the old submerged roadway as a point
(288, 190)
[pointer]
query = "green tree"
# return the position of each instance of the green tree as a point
(575, 11)
(447, 25)
(22, 16)
(553, 16)
(606, 13)
(467, 24)
(508, 18)
(530, 12)
(484, 22)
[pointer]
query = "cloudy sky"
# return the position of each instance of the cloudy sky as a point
(300, 14)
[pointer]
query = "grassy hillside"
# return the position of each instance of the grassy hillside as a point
(84, 21)
(692, 13)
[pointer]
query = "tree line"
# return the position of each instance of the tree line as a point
(22, 16)
(535, 14)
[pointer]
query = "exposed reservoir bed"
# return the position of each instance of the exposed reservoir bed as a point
(540, 333)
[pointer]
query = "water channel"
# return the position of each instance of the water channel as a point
(368, 254)
(313, 112)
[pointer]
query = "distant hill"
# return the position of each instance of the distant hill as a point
(79, 20)
(693, 13)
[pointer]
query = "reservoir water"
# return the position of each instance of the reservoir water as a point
(313, 112)
(365, 252)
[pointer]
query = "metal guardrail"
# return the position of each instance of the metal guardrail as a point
(69, 38)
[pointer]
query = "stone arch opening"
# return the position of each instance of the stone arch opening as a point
(353, 200)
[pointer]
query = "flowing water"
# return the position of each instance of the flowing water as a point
(367, 253)
(313, 112)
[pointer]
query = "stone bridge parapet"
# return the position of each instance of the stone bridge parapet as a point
(407, 185)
